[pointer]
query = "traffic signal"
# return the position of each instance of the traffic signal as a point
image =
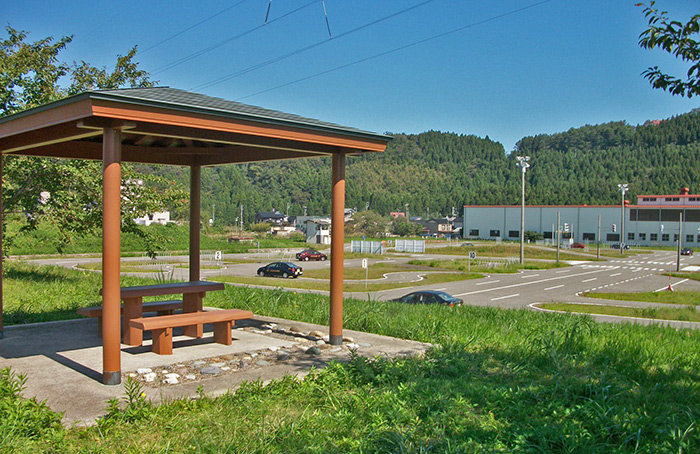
(614, 228)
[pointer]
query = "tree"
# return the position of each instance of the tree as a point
(400, 226)
(675, 38)
(31, 74)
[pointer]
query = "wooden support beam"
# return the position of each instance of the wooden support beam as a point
(337, 249)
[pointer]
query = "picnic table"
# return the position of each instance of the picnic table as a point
(192, 295)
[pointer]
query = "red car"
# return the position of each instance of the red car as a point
(310, 254)
(577, 246)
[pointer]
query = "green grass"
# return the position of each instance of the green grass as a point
(665, 297)
(499, 381)
(476, 267)
(694, 275)
(687, 314)
(508, 250)
(311, 284)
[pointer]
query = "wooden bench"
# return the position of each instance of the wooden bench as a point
(162, 327)
(159, 307)
(192, 295)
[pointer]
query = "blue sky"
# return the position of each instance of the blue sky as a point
(508, 69)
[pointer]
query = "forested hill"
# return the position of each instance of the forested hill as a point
(437, 171)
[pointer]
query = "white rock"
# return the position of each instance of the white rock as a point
(165, 371)
(143, 371)
(132, 375)
(171, 381)
(352, 346)
(190, 377)
(333, 350)
(348, 339)
(303, 348)
(273, 349)
(225, 368)
(253, 355)
(326, 338)
(320, 342)
(150, 376)
(173, 375)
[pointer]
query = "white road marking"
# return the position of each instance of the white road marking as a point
(488, 282)
(504, 297)
(671, 285)
(529, 283)
(589, 280)
(561, 271)
(529, 275)
(556, 286)
(616, 274)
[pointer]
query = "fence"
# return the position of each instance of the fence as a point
(367, 247)
(415, 246)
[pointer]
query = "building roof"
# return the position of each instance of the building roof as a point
(542, 206)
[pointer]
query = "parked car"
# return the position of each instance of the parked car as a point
(281, 269)
(687, 251)
(577, 246)
(311, 254)
(430, 297)
(617, 246)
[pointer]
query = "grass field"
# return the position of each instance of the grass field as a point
(687, 314)
(684, 297)
(499, 381)
(492, 249)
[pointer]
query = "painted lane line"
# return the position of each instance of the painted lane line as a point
(504, 297)
(589, 280)
(489, 282)
(529, 283)
(616, 274)
(529, 275)
(671, 285)
(556, 286)
(561, 271)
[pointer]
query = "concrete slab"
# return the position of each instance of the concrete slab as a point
(63, 362)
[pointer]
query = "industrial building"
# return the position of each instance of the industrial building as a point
(655, 220)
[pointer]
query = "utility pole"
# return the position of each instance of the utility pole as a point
(558, 233)
(623, 189)
(241, 218)
(408, 218)
(680, 238)
(523, 164)
(598, 238)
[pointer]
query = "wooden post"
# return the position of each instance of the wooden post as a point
(111, 237)
(337, 249)
(192, 302)
(2, 325)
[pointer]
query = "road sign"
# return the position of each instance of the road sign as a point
(217, 255)
(364, 264)
(472, 255)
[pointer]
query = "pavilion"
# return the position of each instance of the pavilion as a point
(169, 126)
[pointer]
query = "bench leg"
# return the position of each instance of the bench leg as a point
(192, 302)
(132, 309)
(222, 333)
(163, 341)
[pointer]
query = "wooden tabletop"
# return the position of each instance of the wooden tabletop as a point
(169, 289)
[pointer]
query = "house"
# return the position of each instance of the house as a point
(274, 217)
(161, 218)
(440, 227)
(318, 231)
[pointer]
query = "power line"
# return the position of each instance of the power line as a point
(182, 60)
(191, 27)
(304, 49)
(397, 49)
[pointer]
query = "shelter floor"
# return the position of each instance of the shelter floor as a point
(63, 362)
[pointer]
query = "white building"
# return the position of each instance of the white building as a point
(157, 218)
(653, 221)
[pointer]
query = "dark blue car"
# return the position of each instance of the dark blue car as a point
(280, 269)
(430, 297)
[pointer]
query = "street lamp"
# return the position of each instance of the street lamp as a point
(523, 164)
(623, 189)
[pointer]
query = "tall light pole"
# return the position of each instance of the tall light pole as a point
(523, 164)
(407, 217)
(623, 189)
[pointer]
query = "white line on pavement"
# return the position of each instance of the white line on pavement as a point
(529, 275)
(488, 282)
(616, 274)
(556, 286)
(529, 283)
(504, 297)
(589, 280)
(561, 271)
(670, 285)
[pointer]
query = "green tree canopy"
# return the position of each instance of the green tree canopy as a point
(32, 74)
